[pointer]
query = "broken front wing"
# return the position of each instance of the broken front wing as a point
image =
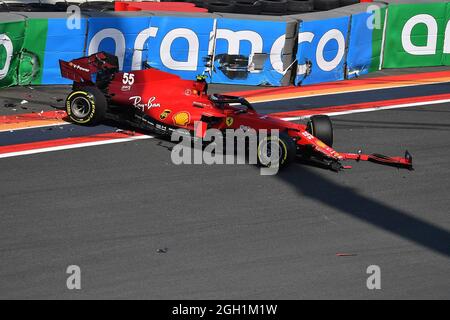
(399, 162)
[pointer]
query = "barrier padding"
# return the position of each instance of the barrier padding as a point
(417, 35)
(12, 35)
(247, 36)
(181, 44)
(157, 6)
(243, 49)
(322, 44)
(409, 1)
(365, 41)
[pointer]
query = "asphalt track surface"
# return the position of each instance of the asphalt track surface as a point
(330, 100)
(226, 231)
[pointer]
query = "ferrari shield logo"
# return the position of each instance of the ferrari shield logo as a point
(229, 121)
(164, 114)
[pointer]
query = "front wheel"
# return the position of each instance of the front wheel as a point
(320, 126)
(86, 106)
(286, 150)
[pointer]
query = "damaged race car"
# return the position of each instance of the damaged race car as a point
(162, 103)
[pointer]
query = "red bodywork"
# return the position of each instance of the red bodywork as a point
(175, 103)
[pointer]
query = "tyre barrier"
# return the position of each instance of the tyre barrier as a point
(254, 7)
(158, 6)
(232, 48)
(274, 7)
(57, 6)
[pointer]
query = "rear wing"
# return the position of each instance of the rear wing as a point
(83, 69)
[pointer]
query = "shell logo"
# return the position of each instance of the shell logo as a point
(182, 118)
(321, 144)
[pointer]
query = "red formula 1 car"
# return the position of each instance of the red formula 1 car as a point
(162, 102)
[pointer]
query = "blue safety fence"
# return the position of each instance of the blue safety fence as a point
(365, 43)
(65, 43)
(237, 42)
(321, 50)
(298, 50)
(180, 45)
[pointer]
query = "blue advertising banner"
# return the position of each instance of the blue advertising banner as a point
(180, 45)
(359, 55)
(364, 50)
(63, 42)
(321, 50)
(126, 37)
(237, 41)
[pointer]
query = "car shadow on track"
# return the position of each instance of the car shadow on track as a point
(350, 202)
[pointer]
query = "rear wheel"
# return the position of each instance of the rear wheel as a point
(321, 127)
(86, 106)
(286, 150)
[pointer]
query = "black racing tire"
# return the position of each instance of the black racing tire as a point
(42, 7)
(287, 150)
(274, 6)
(247, 1)
(97, 6)
(300, 6)
(218, 6)
(61, 6)
(247, 7)
(86, 106)
(267, 13)
(344, 3)
(326, 4)
(198, 3)
(19, 7)
(321, 127)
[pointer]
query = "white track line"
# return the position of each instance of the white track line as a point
(72, 146)
(339, 92)
(397, 106)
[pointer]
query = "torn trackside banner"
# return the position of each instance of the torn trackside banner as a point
(37, 44)
(365, 42)
(249, 52)
(180, 45)
(243, 50)
(33, 52)
(321, 50)
(12, 31)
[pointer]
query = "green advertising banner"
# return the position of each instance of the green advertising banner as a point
(446, 54)
(377, 41)
(33, 52)
(11, 41)
(415, 35)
